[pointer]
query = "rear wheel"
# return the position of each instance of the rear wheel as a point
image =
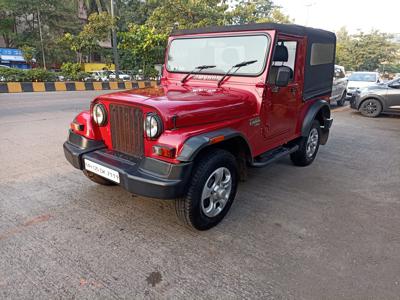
(342, 100)
(308, 146)
(211, 191)
(371, 108)
(97, 179)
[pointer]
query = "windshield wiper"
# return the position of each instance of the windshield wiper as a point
(200, 68)
(238, 66)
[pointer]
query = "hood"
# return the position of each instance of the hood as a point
(189, 106)
(359, 84)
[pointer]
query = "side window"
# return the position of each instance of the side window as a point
(339, 73)
(322, 54)
(292, 48)
(284, 55)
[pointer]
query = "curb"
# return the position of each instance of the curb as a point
(59, 86)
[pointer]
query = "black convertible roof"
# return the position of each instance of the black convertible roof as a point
(283, 28)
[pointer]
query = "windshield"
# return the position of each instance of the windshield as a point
(223, 52)
(363, 77)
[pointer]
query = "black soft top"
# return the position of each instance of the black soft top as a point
(317, 77)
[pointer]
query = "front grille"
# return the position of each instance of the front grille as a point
(126, 124)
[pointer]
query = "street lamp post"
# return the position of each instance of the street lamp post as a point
(114, 42)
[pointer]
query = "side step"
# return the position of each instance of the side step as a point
(272, 156)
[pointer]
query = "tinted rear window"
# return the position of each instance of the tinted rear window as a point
(322, 54)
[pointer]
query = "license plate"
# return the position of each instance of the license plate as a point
(102, 171)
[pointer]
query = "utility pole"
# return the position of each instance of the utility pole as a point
(308, 6)
(41, 40)
(114, 42)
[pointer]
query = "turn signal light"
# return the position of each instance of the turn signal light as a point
(164, 151)
(77, 127)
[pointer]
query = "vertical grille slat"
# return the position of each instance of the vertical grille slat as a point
(126, 124)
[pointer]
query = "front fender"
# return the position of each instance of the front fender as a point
(195, 144)
(83, 125)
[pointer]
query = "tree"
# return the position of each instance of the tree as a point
(187, 14)
(95, 31)
(29, 53)
(257, 11)
(19, 23)
(365, 51)
(144, 45)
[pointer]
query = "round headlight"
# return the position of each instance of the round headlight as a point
(99, 114)
(153, 126)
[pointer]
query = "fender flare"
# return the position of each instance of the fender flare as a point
(312, 113)
(195, 144)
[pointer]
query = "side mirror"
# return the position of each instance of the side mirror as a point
(283, 76)
(162, 70)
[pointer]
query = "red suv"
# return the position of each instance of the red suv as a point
(230, 98)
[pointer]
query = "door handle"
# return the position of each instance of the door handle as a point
(293, 90)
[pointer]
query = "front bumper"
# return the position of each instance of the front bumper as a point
(354, 100)
(143, 176)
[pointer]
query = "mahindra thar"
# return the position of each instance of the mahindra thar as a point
(229, 98)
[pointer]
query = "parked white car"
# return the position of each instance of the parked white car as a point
(121, 76)
(98, 76)
(360, 80)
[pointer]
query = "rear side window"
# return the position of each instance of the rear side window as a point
(322, 54)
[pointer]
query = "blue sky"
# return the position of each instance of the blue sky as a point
(333, 14)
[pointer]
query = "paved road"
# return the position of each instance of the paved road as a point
(328, 231)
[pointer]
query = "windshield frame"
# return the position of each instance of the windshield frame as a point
(265, 62)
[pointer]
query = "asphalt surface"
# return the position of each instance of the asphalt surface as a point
(327, 231)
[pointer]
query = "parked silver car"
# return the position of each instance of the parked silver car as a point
(377, 99)
(360, 80)
(339, 87)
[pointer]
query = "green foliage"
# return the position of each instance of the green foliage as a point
(187, 14)
(257, 11)
(18, 75)
(365, 51)
(71, 70)
(95, 31)
(142, 43)
(29, 53)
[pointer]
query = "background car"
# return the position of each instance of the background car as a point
(339, 87)
(121, 76)
(360, 80)
(377, 99)
(98, 76)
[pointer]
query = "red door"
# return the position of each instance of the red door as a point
(281, 104)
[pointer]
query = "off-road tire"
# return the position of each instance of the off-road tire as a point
(188, 208)
(370, 108)
(300, 157)
(342, 101)
(97, 179)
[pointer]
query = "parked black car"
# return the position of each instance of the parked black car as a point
(377, 99)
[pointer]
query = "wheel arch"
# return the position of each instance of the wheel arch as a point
(233, 141)
(319, 110)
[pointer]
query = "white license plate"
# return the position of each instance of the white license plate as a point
(102, 171)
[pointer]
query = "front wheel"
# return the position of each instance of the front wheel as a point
(211, 191)
(371, 108)
(308, 146)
